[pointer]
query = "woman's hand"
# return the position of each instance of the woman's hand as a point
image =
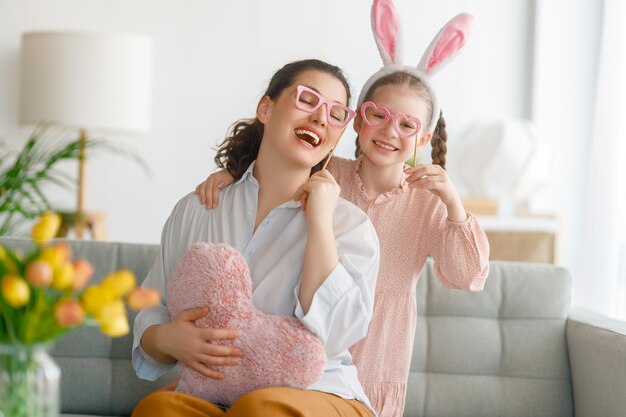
(184, 341)
(209, 189)
(435, 179)
(318, 197)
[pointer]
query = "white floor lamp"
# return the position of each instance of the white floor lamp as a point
(90, 81)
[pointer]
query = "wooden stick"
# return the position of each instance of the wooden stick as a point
(330, 155)
(332, 151)
(415, 153)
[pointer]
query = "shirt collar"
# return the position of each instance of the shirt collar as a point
(247, 174)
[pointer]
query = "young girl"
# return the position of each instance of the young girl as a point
(319, 264)
(416, 211)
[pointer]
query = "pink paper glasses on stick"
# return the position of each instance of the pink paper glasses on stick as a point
(406, 126)
(337, 114)
(309, 100)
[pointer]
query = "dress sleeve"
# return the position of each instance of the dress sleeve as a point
(342, 306)
(460, 250)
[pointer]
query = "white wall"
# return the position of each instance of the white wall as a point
(566, 50)
(208, 52)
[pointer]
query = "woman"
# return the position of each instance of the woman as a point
(311, 254)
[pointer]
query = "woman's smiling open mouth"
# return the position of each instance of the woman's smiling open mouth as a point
(309, 136)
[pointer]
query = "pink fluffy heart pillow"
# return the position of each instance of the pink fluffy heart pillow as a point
(278, 350)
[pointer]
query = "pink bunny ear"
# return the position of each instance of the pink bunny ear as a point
(450, 39)
(385, 26)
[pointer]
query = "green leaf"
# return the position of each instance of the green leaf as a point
(3, 269)
(16, 261)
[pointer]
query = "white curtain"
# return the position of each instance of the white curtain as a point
(600, 280)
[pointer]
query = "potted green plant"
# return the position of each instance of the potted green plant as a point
(25, 174)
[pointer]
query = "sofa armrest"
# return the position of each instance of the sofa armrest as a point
(597, 354)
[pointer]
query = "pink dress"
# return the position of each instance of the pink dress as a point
(411, 225)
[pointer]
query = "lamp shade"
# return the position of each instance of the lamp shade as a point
(506, 158)
(87, 80)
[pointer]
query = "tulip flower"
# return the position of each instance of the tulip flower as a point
(116, 327)
(64, 252)
(62, 276)
(46, 228)
(113, 321)
(50, 255)
(112, 309)
(69, 313)
(56, 255)
(120, 283)
(39, 273)
(143, 298)
(15, 291)
(83, 271)
(94, 298)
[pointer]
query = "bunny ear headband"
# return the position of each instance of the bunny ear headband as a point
(450, 39)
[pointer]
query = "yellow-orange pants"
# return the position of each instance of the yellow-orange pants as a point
(266, 402)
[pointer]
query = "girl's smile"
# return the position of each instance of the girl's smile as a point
(385, 146)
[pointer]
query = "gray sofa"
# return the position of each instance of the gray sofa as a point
(514, 349)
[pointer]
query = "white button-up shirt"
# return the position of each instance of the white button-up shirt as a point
(341, 308)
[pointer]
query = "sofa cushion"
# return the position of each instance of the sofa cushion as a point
(499, 352)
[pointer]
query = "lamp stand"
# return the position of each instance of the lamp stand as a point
(80, 206)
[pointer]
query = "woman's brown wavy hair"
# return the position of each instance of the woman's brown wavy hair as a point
(242, 145)
(440, 136)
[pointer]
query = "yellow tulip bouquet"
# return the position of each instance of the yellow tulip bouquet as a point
(43, 293)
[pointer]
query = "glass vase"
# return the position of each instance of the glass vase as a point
(29, 381)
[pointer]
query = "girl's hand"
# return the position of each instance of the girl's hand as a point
(318, 197)
(435, 179)
(191, 345)
(209, 189)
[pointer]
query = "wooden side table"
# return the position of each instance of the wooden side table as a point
(93, 222)
(524, 239)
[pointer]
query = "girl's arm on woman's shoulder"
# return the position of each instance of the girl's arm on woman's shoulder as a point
(208, 191)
